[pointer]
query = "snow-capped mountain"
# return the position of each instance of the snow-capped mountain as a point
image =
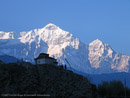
(95, 58)
(99, 52)
(105, 60)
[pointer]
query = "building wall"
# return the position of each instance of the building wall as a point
(45, 61)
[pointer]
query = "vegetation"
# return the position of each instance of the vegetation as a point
(25, 78)
(113, 89)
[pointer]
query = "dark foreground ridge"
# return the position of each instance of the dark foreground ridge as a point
(25, 79)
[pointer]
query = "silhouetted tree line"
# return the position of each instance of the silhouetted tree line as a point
(113, 89)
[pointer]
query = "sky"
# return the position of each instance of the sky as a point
(88, 20)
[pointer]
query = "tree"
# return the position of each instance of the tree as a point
(112, 89)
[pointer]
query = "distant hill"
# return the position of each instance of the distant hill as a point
(50, 80)
(8, 59)
(98, 79)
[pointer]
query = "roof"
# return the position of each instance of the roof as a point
(42, 55)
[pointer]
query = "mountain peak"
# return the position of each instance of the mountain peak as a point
(96, 42)
(51, 26)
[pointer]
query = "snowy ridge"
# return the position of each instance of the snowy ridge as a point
(95, 58)
(98, 52)
(103, 58)
(6, 35)
(53, 36)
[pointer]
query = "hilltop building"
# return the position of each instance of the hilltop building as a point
(44, 58)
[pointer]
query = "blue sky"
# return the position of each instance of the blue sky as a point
(107, 20)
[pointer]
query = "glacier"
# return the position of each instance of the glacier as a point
(95, 58)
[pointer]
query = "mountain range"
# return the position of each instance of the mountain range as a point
(95, 58)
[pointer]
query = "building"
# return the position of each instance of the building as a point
(44, 58)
